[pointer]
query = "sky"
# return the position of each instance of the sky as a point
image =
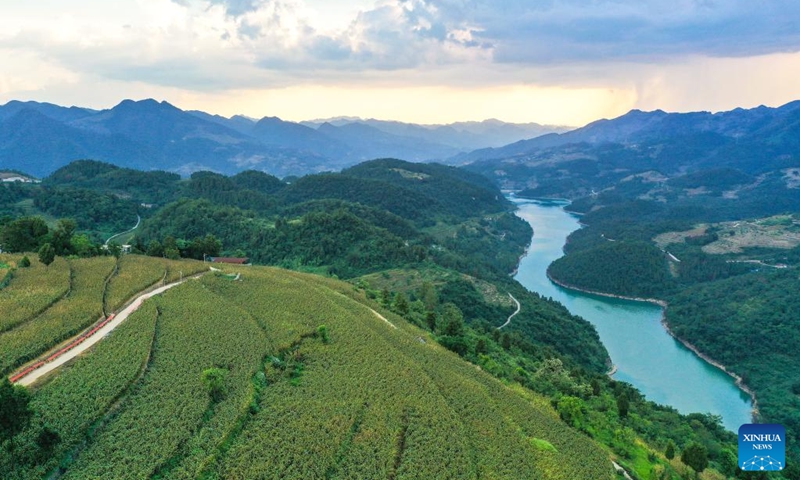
(564, 62)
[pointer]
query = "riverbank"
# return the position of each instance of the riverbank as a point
(739, 382)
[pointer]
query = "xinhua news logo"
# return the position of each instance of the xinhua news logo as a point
(762, 447)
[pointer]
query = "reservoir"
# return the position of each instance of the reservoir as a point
(645, 354)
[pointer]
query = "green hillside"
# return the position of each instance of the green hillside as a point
(315, 384)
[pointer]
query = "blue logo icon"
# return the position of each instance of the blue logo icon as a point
(762, 447)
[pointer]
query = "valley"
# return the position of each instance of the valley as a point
(421, 261)
(399, 240)
(643, 353)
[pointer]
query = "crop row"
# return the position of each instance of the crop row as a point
(169, 425)
(177, 269)
(356, 408)
(79, 395)
(31, 291)
(378, 403)
(134, 274)
(82, 307)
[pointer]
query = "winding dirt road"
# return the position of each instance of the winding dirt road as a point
(50, 365)
(512, 315)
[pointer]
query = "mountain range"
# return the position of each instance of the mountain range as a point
(39, 138)
(747, 144)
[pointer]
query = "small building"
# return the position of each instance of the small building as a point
(231, 260)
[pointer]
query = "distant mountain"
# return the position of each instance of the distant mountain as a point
(368, 142)
(38, 144)
(460, 136)
(761, 143)
(41, 137)
(637, 126)
(61, 114)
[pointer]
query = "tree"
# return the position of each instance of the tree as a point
(481, 347)
(623, 404)
(154, 249)
(728, 462)
(670, 450)
(14, 410)
(400, 304)
(455, 343)
(82, 246)
(596, 387)
(386, 297)
(505, 341)
(115, 249)
(452, 320)
(571, 410)
(427, 293)
(214, 380)
(208, 246)
(25, 262)
(47, 254)
(171, 249)
(48, 438)
(430, 321)
(62, 236)
(24, 234)
(696, 457)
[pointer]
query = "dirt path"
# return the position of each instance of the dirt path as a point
(512, 315)
(619, 469)
(138, 221)
(50, 365)
(383, 318)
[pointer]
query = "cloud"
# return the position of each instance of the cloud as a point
(209, 45)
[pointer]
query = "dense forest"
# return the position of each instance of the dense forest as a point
(749, 324)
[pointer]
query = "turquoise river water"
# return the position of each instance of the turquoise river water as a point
(645, 354)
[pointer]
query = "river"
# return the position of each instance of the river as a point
(645, 354)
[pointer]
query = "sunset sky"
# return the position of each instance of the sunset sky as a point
(426, 61)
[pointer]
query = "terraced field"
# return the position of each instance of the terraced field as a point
(30, 291)
(310, 384)
(44, 306)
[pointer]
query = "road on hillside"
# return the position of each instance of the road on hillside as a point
(37, 373)
(112, 237)
(512, 315)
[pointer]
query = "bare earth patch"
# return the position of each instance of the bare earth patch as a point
(792, 177)
(667, 238)
(780, 231)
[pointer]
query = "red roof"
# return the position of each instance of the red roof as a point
(234, 260)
